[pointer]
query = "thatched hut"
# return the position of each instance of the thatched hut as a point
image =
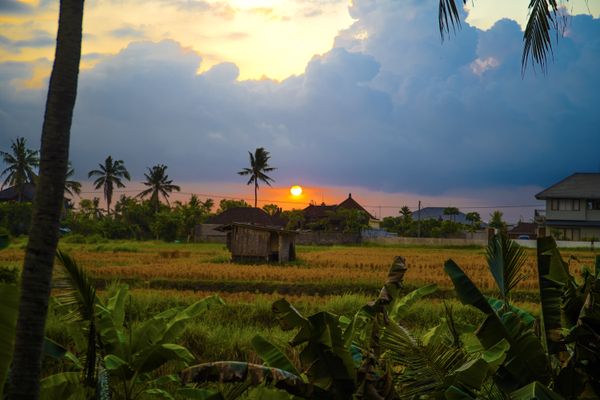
(260, 243)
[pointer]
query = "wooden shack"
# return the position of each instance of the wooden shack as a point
(260, 243)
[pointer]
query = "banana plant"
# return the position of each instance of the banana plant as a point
(340, 357)
(114, 348)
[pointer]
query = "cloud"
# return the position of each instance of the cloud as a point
(39, 39)
(390, 108)
(128, 32)
(14, 7)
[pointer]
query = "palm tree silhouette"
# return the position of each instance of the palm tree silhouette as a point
(259, 164)
(71, 186)
(21, 162)
(158, 183)
(109, 176)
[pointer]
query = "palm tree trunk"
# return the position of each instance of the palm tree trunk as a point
(255, 193)
(43, 236)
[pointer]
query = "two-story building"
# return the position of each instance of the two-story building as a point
(573, 207)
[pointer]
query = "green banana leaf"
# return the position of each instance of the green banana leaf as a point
(553, 278)
(64, 386)
(154, 356)
(272, 356)
(198, 394)
(400, 307)
(466, 290)
(535, 391)
(9, 306)
(499, 305)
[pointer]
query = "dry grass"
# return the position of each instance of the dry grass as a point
(326, 265)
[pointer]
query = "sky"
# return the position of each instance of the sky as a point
(361, 97)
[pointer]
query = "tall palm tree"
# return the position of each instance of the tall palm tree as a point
(21, 162)
(71, 186)
(109, 175)
(36, 276)
(158, 183)
(259, 164)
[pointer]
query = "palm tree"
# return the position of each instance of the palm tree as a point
(259, 164)
(109, 176)
(36, 276)
(72, 186)
(21, 162)
(158, 183)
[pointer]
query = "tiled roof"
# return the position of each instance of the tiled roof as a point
(580, 185)
(248, 215)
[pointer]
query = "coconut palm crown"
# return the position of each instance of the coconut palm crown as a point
(158, 183)
(21, 163)
(109, 175)
(259, 165)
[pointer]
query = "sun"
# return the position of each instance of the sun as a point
(296, 190)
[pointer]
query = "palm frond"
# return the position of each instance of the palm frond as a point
(424, 368)
(538, 45)
(448, 17)
(506, 260)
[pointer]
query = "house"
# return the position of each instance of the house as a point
(12, 194)
(573, 207)
(259, 243)
(316, 214)
(524, 230)
(438, 213)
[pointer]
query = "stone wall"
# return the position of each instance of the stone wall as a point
(410, 241)
(206, 233)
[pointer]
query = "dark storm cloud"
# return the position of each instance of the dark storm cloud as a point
(389, 108)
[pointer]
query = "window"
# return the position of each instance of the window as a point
(568, 233)
(565, 204)
(593, 204)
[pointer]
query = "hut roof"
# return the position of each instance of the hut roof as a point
(276, 229)
(248, 215)
(323, 211)
(12, 194)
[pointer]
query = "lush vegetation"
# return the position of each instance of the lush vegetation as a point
(425, 343)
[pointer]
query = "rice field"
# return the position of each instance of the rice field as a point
(345, 266)
(225, 332)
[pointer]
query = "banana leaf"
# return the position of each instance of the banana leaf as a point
(156, 355)
(64, 386)
(466, 290)
(272, 356)
(400, 307)
(553, 278)
(198, 394)
(535, 391)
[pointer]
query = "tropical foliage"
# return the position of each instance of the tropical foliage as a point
(259, 166)
(21, 166)
(374, 356)
(159, 184)
(110, 175)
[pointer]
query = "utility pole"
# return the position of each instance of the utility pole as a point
(379, 212)
(419, 221)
